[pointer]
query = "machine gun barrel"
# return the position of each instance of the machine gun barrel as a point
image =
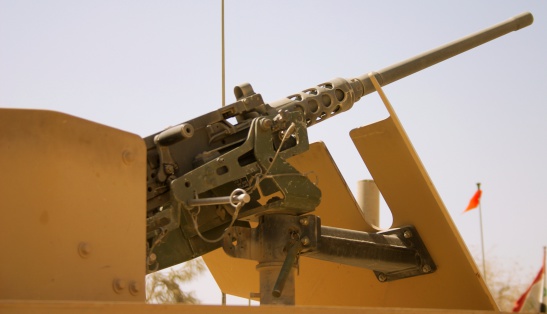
(338, 95)
(417, 63)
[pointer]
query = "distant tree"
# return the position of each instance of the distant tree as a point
(504, 280)
(165, 286)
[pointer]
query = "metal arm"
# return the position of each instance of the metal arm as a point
(395, 254)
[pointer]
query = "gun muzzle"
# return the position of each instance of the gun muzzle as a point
(417, 63)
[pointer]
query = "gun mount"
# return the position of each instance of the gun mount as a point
(209, 177)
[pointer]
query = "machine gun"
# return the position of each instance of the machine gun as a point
(209, 178)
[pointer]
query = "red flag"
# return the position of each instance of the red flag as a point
(530, 300)
(475, 200)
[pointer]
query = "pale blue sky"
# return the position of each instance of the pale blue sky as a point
(143, 65)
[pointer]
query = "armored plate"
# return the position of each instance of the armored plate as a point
(73, 203)
(413, 199)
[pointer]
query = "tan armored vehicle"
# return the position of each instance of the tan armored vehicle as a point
(243, 188)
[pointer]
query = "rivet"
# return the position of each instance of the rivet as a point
(305, 241)
(134, 288)
(128, 157)
(119, 285)
(84, 249)
(426, 268)
(304, 221)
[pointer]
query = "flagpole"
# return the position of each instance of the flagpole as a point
(543, 308)
(482, 239)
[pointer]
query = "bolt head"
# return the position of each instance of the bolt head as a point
(169, 169)
(266, 124)
(382, 277)
(407, 234)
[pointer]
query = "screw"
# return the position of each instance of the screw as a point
(304, 221)
(426, 268)
(382, 277)
(169, 169)
(407, 234)
(266, 124)
(305, 241)
(220, 160)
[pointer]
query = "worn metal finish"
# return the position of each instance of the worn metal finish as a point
(73, 204)
(275, 244)
(395, 254)
(268, 241)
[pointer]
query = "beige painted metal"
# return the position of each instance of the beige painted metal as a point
(412, 198)
(73, 209)
(139, 308)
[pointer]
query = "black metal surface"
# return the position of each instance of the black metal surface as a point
(394, 254)
(292, 255)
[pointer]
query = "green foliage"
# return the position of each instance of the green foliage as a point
(165, 286)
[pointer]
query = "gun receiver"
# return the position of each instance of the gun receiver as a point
(209, 157)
